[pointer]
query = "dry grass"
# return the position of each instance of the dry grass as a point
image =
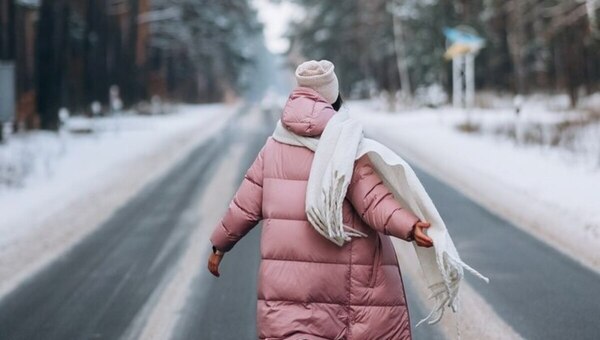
(469, 127)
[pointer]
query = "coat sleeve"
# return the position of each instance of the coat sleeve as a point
(376, 204)
(245, 209)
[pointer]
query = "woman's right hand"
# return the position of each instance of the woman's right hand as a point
(214, 261)
(421, 238)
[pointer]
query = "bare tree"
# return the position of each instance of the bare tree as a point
(399, 47)
(51, 58)
(7, 30)
(517, 41)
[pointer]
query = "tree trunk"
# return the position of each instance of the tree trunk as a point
(95, 51)
(131, 93)
(516, 43)
(399, 47)
(51, 60)
(7, 30)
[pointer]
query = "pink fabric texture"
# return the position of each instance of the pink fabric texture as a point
(308, 287)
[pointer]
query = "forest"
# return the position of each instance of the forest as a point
(70, 53)
(531, 45)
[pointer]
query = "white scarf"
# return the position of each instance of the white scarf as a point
(340, 144)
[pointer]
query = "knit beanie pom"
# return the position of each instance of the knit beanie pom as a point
(320, 76)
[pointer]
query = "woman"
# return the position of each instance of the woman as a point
(309, 287)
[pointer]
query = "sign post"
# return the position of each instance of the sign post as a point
(464, 45)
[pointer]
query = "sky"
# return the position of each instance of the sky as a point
(275, 17)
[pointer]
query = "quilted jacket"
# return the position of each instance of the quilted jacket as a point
(308, 287)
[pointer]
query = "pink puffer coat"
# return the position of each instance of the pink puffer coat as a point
(309, 288)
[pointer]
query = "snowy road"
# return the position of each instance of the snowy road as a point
(100, 288)
(538, 291)
(118, 281)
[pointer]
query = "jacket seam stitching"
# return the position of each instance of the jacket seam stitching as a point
(373, 188)
(332, 303)
(376, 201)
(226, 230)
(252, 181)
(287, 219)
(251, 215)
(286, 179)
(387, 222)
(350, 315)
(376, 204)
(320, 262)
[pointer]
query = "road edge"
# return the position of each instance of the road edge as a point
(532, 220)
(47, 244)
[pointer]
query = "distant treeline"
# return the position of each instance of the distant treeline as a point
(531, 45)
(68, 53)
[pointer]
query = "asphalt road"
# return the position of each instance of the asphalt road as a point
(97, 289)
(101, 286)
(540, 292)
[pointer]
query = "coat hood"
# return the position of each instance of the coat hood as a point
(306, 112)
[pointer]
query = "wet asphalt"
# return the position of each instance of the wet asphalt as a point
(96, 289)
(99, 288)
(537, 290)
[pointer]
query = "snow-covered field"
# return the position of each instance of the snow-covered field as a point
(550, 187)
(56, 188)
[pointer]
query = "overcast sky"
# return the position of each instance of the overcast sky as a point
(276, 17)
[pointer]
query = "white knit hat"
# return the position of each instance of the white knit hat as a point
(319, 76)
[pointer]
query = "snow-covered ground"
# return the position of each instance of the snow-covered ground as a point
(56, 188)
(550, 188)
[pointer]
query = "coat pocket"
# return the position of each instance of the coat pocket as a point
(376, 261)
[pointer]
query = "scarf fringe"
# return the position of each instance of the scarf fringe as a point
(445, 293)
(329, 220)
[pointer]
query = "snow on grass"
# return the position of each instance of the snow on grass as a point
(43, 172)
(549, 190)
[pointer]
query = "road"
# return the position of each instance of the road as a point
(100, 286)
(540, 292)
(107, 285)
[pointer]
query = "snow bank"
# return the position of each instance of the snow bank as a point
(544, 190)
(50, 170)
(74, 182)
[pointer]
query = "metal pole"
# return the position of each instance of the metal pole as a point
(458, 75)
(469, 80)
(455, 82)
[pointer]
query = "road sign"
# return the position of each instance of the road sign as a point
(463, 46)
(464, 35)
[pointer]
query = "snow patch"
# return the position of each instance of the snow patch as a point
(85, 178)
(550, 191)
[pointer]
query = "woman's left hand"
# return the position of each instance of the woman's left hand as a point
(421, 238)
(213, 263)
